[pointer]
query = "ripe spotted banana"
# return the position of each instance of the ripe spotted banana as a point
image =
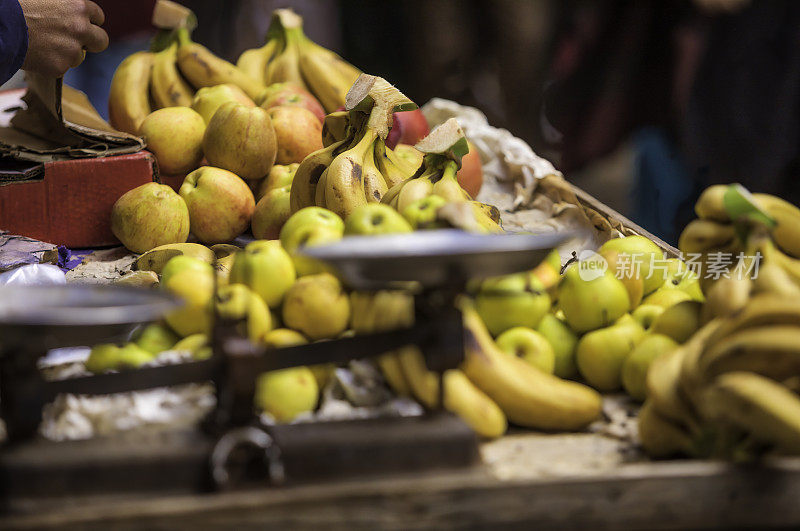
(394, 169)
(702, 235)
(204, 69)
(307, 176)
(335, 127)
(763, 408)
(344, 178)
(128, 99)
(167, 86)
(374, 184)
(761, 310)
(527, 396)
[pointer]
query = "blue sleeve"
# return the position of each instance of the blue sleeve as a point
(13, 39)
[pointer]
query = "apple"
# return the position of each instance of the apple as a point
(374, 219)
(196, 344)
(601, 353)
(563, 340)
(196, 288)
(633, 283)
(220, 204)
(208, 99)
(510, 301)
(591, 303)
(297, 132)
(470, 175)
(175, 136)
(680, 321)
(289, 94)
(666, 297)
(408, 127)
(266, 268)
(286, 393)
(679, 276)
(421, 214)
(148, 216)
(634, 369)
(240, 303)
(310, 226)
(317, 306)
(641, 254)
(280, 176)
(646, 314)
(529, 345)
(241, 139)
(184, 262)
(156, 338)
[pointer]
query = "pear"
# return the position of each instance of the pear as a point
(238, 302)
(175, 136)
(148, 216)
(563, 341)
(286, 393)
(196, 287)
(634, 369)
(601, 354)
(266, 268)
(591, 304)
(513, 300)
(280, 176)
(156, 338)
(271, 213)
(317, 306)
(298, 133)
(208, 100)
(643, 253)
(241, 139)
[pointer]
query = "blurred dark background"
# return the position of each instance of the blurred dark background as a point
(642, 103)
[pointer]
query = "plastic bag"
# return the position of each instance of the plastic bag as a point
(34, 275)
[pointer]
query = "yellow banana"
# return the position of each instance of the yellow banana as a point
(167, 86)
(284, 65)
(786, 232)
(333, 60)
(527, 396)
(128, 99)
(424, 383)
(761, 310)
(319, 193)
(142, 279)
(660, 437)
(408, 192)
(155, 259)
(727, 296)
(344, 183)
(762, 408)
(711, 205)
(374, 184)
(447, 186)
(772, 350)
(335, 127)
(474, 407)
(663, 387)
(328, 76)
(772, 278)
(204, 69)
(702, 235)
(491, 211)
(254, 62)
(307, 176)
(394, 169)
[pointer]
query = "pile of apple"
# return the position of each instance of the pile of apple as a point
(599, 320)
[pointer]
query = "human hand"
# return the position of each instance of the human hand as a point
(60, 32)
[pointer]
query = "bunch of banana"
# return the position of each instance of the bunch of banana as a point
(290, 56)
(129, 97)
(355, 167)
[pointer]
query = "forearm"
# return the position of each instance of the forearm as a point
(13, 39)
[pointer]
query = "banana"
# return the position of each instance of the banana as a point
(660, 437)
(128, 99)
(374, 184)
(761, 310)
(307, 176)
(319, 194)
(771, 350)
(284, 65)
(167, 86)
(786, 232)
(344, 182)
(142, 279)
(204, 69)
(491, 211)
(327, 75)
(711, 204)
(664, 386)
(424, 383)
(474, 407)
(527, 396)
(702, 235)
(333, 60)
(763, 408)
(224, 255)
(447, 186)
(727, 296)
(254, 62)
(155, 259)
(335, 127)
(772, 278)
(394, 169)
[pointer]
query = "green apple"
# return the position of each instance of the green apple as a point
(679, 276)
(197, 344)
(645, 314)
(266, 268)
(108, 357)
(280, 176)
(272, 212)
(592, 303)
(286, 393)
(512, 300)
(642, 253)
(529, 345)
(156, 338)
(317, 306)
(148, 216)
(220, 204)
(563, 340)
(680, 321)
(633, 283)
(196, 288)
(634, 369)
(666, 297)
(184, 263)
(310, 226)
(208, 99)
(601, 354)
(238, 302)
(421, 214)
(175, 136)
(375, 218)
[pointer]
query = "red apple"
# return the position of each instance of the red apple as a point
(408, 127)
(470, 176)
(289, 94)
